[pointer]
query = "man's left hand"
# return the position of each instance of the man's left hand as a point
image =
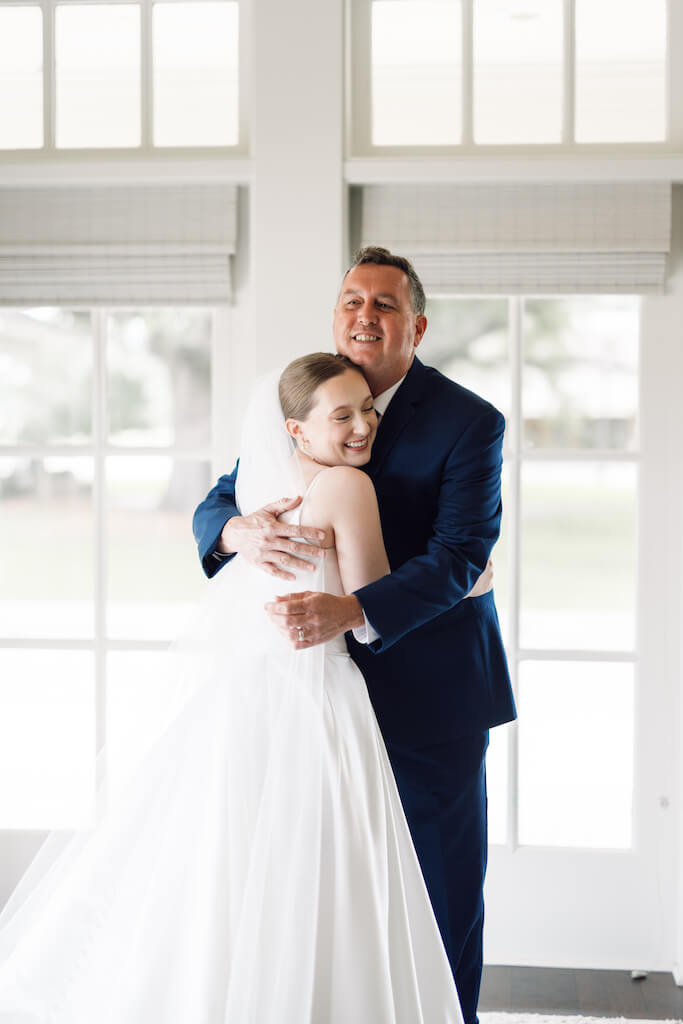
(316, 617)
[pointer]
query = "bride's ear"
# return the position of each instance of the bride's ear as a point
(293, 428)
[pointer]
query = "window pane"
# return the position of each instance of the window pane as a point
(21, 78)
(98, 84)
(518, 54)
(576, 754)
(467, 340)
(578, 556)
(416, 72)
(154, 575)
(195, 74)
(47, 739)
(580, 387)
(46, 547)
(45, 376)
(620, 70)
(158, 377)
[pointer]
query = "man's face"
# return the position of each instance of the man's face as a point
(374, 323)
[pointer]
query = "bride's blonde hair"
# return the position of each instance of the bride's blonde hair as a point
(301, 379)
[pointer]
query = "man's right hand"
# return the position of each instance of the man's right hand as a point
(267, 543)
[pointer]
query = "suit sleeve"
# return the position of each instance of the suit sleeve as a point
(209, 519)
(466, 527)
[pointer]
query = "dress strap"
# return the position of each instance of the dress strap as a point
(307, 493)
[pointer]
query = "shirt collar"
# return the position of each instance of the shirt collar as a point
(382, 400)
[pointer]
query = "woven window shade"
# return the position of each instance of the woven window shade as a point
(513, 238)
(117, 244)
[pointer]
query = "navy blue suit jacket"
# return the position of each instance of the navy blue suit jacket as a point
(438, 670)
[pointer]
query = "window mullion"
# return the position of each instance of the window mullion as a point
(359, 71)
(146, 74)
(467, 138)
(49, 75)
(569, 76)
(514, 514)
(99, 502)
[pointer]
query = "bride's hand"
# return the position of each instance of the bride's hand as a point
(484, 583)
(267, 543)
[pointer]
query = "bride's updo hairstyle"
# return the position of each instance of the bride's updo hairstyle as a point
(301, 379)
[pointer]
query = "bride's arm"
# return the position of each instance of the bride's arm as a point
(345, 499)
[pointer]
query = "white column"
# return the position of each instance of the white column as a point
(676, 116)
(660, 712)
(676, 73)
(297, 196)
(678, 963)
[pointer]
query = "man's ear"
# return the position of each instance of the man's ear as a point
(420, 328)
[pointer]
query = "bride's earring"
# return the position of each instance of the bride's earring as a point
(306, 447)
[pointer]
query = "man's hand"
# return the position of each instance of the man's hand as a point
(484, 583)
(266, 542)
(315, 617)
(321, 617)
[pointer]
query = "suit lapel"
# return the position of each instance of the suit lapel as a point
(400, 411)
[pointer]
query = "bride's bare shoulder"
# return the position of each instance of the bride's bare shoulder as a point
(337, 491)
(340, 481)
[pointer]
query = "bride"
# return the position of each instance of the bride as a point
(257, 867)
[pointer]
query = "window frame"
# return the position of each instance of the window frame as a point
(99, 449)
(359, 85)
(146, 148)
(515, 457)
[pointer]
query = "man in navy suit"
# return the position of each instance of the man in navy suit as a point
(432, 656)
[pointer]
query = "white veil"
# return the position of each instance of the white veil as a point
(234, 762)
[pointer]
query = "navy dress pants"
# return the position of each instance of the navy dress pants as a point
(443, 791)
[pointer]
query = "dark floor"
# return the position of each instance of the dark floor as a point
(589, 993)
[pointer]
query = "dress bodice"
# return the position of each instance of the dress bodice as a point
(330, 578)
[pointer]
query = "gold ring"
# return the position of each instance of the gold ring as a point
(302, 636)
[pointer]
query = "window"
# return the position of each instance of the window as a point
(104, 454)
(154, 74)
(518, 71)
(21, 77)
(620, 76)
(416, 72)
(564, 371)
(506, 72)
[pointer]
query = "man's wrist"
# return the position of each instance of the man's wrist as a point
(225, 545)
(356, 619)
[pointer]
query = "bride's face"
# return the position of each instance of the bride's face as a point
(341, 426)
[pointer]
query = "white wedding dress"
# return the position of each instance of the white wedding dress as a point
(255, 869)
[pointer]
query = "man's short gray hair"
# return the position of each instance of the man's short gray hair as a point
(383, 258)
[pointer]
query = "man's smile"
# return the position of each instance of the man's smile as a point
(365, 337)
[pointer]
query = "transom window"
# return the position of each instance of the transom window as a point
(508, 72)
(119, 75)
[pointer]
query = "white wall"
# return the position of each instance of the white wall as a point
(297, 193)
(661, 584)
(670, 311)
